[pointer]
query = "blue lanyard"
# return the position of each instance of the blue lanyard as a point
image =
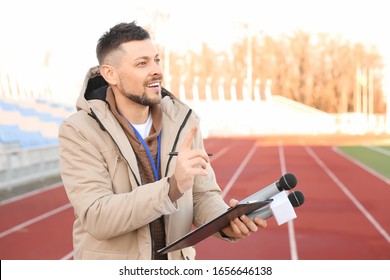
(155, 166)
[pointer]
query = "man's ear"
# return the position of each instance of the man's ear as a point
(109, 74)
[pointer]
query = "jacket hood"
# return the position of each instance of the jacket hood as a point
(94, 87)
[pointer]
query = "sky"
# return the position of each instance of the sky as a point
(64, 33)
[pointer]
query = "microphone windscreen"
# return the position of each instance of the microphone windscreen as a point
(296, 198)
(288, 181)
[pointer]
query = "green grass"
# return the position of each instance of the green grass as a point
(374, 157)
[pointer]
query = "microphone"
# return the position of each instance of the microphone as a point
(296, 198)
(287, 182)
(280, 210)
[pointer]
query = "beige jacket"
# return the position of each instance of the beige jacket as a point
(101, 178)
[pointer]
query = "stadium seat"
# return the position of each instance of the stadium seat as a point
(30, 123)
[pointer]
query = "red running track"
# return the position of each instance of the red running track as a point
(345, 214)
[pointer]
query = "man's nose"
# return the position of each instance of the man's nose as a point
(156, 70)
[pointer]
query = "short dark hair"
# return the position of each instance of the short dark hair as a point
(117, 35)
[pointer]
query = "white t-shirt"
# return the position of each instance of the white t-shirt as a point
(144, 128)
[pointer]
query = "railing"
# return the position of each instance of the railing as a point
(21, 165)
(279, 115)
(229, 118)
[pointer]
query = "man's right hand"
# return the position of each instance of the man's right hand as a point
(190, 163)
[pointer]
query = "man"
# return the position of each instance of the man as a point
(130, 197)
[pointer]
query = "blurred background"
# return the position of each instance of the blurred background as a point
(249, 68)
(321, 65)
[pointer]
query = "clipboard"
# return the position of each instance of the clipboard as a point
(220, 222)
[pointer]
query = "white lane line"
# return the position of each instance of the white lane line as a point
(221, 152)
(32, 193)
(378, 150)
(363, 166)
(35, 220)
(354, 200)
(236, 174)
(68, 256)
(290, 224)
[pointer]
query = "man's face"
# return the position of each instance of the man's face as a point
(139, 72)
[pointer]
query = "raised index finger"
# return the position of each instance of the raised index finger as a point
(188, 140)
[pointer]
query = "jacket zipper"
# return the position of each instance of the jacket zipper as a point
(169, 161)
(177, 139)
(152, 239)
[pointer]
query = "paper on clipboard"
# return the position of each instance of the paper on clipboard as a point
(213, 226)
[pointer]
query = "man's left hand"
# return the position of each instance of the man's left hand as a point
(242, 227)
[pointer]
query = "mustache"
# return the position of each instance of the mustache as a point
(155, 78)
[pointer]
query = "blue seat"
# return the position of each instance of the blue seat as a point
(29, 112)
(9, 133)
(8, 106)
(26, 139)
(15, 135)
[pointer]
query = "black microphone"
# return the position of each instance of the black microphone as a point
(296, 199)
(287, 182)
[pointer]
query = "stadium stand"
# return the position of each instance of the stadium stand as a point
(30, 123)
(28, 140)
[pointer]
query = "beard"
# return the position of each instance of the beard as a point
(141, 99)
